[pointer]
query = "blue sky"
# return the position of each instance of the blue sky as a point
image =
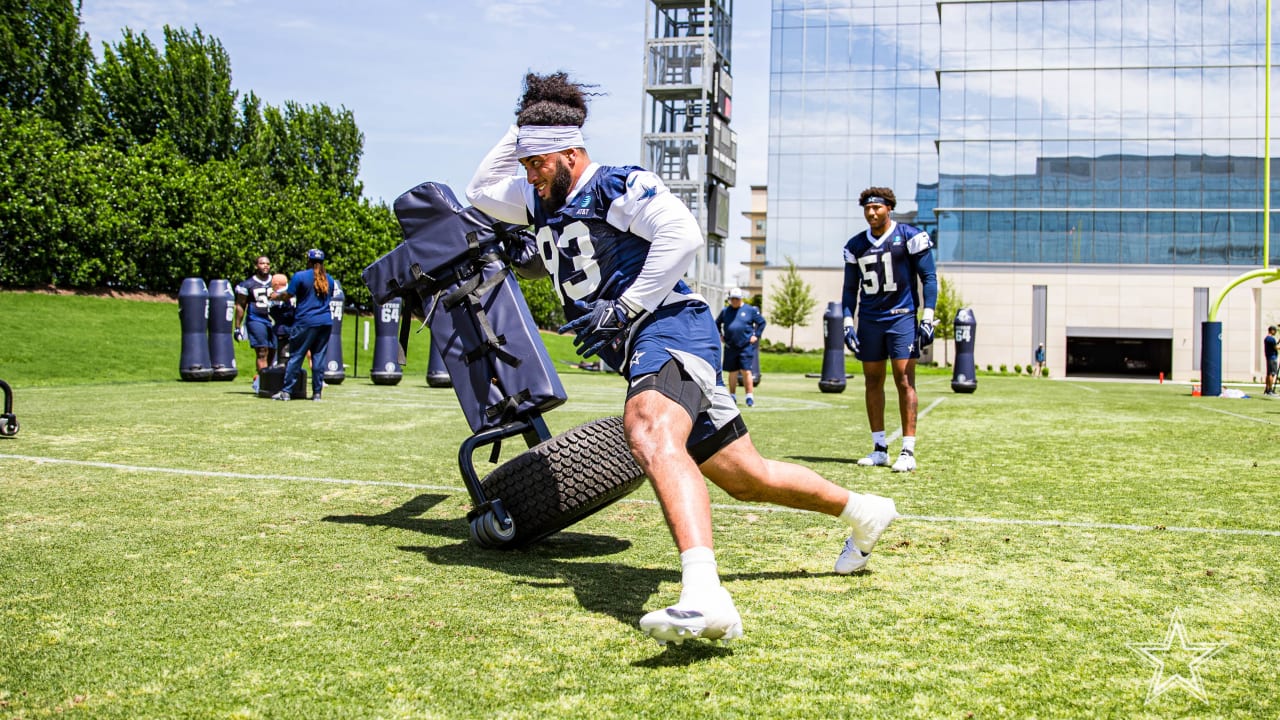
(433, 83)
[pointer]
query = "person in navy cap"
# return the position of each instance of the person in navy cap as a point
(312, 323)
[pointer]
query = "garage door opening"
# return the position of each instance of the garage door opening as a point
(1119, 357)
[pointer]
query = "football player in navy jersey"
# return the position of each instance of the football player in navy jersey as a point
(886, 267)
(252, 321)
(616, 243)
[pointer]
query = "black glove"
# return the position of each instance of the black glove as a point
(851, 339)
(926, 333)
(520, 250)
(605, 323)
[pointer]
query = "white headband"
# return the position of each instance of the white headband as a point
(543, 139)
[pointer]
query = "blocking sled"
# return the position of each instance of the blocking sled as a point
(454, 268)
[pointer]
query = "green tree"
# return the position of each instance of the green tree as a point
(949, 302)
(791, 301)
(45, 61)
(544, 302)
(184, 93)
(303, 146)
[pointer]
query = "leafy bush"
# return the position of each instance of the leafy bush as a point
(1017, 369)
(1003, 368)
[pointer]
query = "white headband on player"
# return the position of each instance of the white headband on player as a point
(542, 139)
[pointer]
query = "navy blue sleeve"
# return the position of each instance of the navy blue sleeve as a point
(852, 286)
(928, 274)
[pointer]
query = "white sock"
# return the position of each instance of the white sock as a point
(909, 443)
(751, 396)
(847, 515)
(877, 439)
(698, 570)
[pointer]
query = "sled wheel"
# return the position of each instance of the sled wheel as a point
(8, 425)
(560, 481)
(487, 531)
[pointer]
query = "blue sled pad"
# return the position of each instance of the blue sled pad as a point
(451, 266)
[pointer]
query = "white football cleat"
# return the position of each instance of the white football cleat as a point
(851, 559)
(712, 616)
(871, 516)
(906, 462)
(878, 457)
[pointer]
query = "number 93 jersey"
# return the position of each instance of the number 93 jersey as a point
(585, 246)
(880, 273)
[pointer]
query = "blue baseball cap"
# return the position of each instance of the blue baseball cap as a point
(315, 255)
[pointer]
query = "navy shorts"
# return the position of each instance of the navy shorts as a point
(739, 358)
(893, 339)
(687, 334)
(259, 334)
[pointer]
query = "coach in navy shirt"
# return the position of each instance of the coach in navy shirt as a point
(312, 323)
(741, 326)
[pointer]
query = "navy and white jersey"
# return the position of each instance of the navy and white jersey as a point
(256, 291)
(621, 234)
(587, 245)
(880, 274)
(737, 325)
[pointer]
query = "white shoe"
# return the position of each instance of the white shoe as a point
(906, 462)
(871, 516)
(851, 559)
(878, 458)
(712, 616)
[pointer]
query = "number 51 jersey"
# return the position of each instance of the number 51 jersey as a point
(880, 277)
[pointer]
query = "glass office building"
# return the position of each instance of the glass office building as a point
(1090, 137)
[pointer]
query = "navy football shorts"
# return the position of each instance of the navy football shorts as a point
(892, 339)
(259, 334)
(739, 358)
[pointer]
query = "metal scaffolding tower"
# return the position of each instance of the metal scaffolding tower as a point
(686, 138)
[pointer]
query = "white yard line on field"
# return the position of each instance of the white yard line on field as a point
(638, 501)
(898, 433)
(1243, 417)
(221, 474)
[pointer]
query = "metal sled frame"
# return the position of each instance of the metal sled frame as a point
(534, 431)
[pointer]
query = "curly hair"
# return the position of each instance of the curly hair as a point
(884, 192)
(552, 100)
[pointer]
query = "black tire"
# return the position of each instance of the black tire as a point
(8, 425)
(560, 481)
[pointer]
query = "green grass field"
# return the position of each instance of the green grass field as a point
(174, 550)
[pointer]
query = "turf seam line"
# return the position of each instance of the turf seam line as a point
(638, 501)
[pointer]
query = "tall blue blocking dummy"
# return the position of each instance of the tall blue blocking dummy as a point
(386, 348)
(964, 376)
(222, 312)
(833, 375)
(193, 311)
